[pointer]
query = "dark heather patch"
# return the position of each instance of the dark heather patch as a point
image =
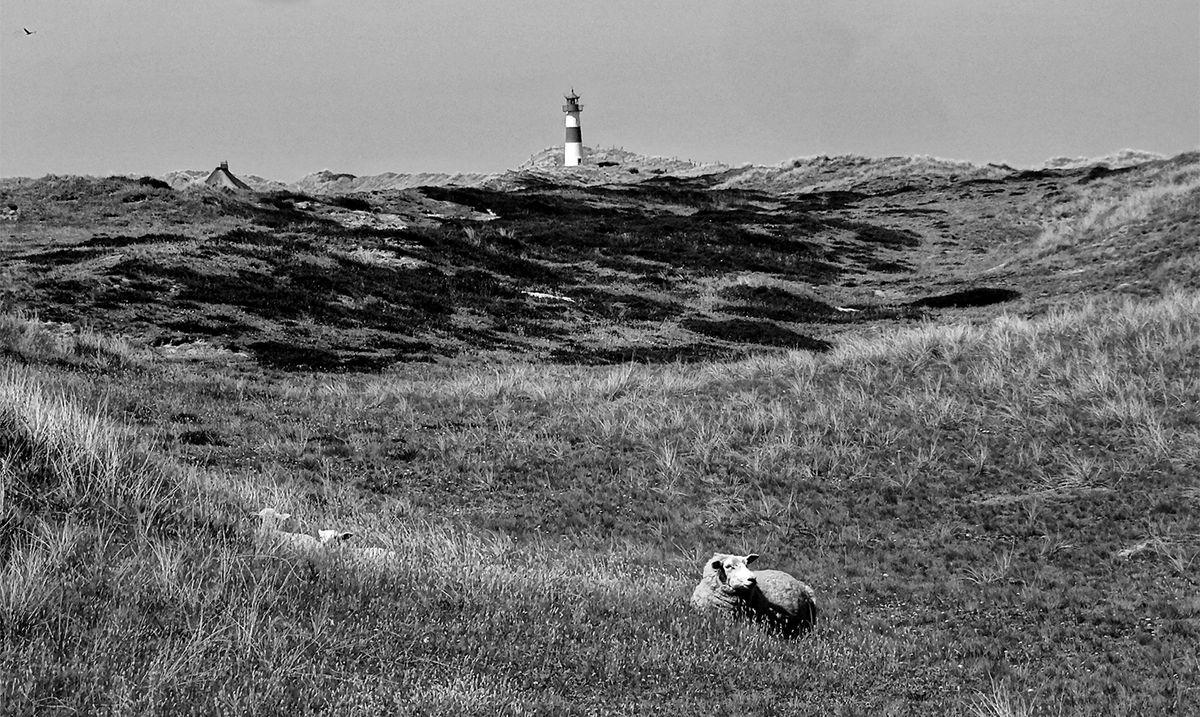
(744, 331)
(776, 303)
(983, 296)
(201, 437)
(681, 353)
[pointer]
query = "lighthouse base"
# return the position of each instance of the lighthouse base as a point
(572, 154)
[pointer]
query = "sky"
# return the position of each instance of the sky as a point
(282, 88)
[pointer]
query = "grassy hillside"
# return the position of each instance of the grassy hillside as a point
(999, 506)
(1004, 512)
(1135, 233)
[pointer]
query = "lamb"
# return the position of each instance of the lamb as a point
(271, 519)
(772, 597)
(328, 543)
(270, 533)
(298, 544)
(363, 557)
(329, 536)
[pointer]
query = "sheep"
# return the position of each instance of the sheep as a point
(769, 596)
(328, 543)
(270, 520)
(270, 533)
(330, 536)
(363, 557)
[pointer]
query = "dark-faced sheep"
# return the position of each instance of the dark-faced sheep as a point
(769, 596)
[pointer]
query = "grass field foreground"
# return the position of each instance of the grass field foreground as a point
(1001, 518)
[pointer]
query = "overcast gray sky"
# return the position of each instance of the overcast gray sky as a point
(281, 88)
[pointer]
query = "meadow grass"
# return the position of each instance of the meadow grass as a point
(999, 518)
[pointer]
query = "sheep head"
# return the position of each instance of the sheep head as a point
(271, 518)
(333, 536)
(732, 571)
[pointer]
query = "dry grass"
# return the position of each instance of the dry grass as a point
(1000, 702)
(64, 458)
(1134, 235)
(28, 339)
(1100, 211)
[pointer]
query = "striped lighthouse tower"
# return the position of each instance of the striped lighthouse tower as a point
(573, 148)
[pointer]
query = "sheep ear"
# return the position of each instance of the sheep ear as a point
(718, 567)
(751, 558)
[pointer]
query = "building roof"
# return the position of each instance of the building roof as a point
(221, 177)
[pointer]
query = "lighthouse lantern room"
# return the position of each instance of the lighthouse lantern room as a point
(573, 147)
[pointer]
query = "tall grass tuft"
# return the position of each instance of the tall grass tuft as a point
(61, 457)
(26, 338)
(1000, 702)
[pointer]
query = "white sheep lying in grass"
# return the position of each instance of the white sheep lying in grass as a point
(332, 537)
(271, 533)
(271, 520)
(328, 543)
(769, 596)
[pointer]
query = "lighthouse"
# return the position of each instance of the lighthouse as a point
(573, 147)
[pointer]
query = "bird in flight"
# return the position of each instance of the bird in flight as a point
(28, 31)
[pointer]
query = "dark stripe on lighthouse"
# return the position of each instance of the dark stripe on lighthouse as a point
(574, 135)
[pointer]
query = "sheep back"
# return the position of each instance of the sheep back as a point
(783, 601)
